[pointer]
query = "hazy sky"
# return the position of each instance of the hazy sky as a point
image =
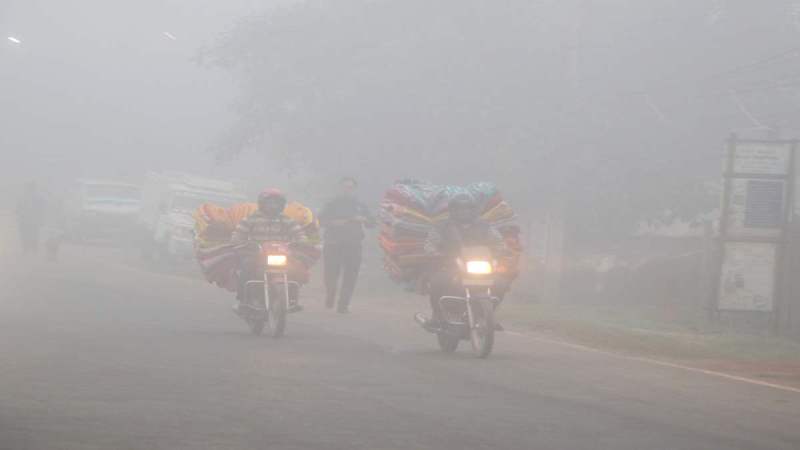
(97, 83)
(98, 86)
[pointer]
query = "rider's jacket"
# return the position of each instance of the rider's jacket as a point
(450, 237)
(259, 227)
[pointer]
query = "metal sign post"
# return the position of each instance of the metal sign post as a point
(757, 201)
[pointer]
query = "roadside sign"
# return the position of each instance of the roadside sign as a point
(796, 190)
(747, 281)
(761, 158)
(756, 206)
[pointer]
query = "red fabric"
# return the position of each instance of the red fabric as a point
(399, 247)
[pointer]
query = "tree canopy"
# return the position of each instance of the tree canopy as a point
(622, 106)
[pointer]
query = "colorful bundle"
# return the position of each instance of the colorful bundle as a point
(410, 209)
(212, 224)
(219, 264)
(303, 256)
(219, 258)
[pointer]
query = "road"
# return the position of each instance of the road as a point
(97, 353)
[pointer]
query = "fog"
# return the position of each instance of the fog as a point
(556, 92)
(631, 253)
(101, 88)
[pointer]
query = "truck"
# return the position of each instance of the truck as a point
(96, 208)
(168, 201)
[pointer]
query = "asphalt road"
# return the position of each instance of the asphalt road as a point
(98, 354)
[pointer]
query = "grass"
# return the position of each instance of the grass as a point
(646, 331)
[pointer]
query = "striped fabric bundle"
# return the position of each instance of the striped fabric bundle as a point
(219, 258)
(411, 208)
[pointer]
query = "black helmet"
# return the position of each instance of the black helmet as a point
(271, 202)
(462, 208)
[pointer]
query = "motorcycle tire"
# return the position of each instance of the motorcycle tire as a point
(276, 315)
(481, 334)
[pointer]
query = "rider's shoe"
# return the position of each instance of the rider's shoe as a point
(429, 324)
(499, 327)
(343, 309)
(295, 308)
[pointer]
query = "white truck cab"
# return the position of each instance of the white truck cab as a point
(168, 202)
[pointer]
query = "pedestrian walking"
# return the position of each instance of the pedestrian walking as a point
(343, 219)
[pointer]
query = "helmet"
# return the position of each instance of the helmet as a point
(462, 208)
(271, 201)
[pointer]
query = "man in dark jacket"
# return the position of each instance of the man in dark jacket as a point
(343, 219)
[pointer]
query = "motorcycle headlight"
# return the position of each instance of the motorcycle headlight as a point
(276, 260)
(479, 267)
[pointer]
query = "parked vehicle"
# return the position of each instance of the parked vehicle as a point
(101, 209)
(168, 202)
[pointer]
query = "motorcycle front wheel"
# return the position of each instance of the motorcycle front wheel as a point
(255, 321)
(481, 332)
(276, 313)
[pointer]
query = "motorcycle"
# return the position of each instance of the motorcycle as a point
(268, 301)
(471, 316)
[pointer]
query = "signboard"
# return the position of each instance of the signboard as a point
(747, 281)
(759, 179)
(796, 196)
(762, 158)
(755, 208)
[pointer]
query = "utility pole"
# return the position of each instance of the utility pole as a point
(572, 111)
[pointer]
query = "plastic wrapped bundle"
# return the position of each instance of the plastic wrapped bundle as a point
(212, 225)
(303, 256)
(219, 258)
(219, 264)
(411, 208)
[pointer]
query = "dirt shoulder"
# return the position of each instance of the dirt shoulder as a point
(641, 333)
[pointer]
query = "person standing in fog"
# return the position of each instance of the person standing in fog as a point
(30, 217)
(343, 219)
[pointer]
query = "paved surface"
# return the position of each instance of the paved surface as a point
(98, 354)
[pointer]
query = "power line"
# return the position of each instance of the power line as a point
(790, 53)
(743, 108)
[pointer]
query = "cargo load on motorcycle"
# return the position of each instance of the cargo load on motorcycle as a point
(218, 257)
(411, 209)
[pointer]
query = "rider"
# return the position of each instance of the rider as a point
(268, 223)
(464, 228)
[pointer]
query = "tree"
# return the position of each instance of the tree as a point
(601, 102)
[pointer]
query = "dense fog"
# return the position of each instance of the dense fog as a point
(607, 186)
